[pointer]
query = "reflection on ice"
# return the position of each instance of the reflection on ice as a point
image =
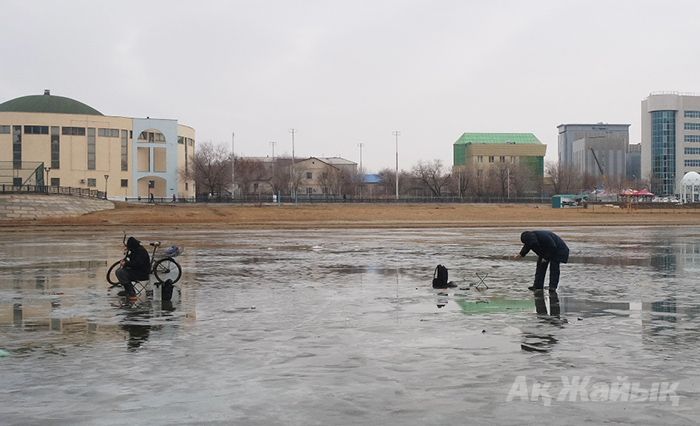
(343, 327)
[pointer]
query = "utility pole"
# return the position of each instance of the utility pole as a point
(294, 191)
(361, 173)
(360, 145)
(396, 134)
(233, 167)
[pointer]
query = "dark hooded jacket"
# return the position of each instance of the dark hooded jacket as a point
(545, 244)
(137, 258)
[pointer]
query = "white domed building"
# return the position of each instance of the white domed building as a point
(690, 187)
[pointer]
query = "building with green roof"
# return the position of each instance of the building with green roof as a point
(59, 141)
(482, 151)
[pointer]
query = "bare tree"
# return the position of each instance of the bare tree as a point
(249, 171)
(280, 178)
(463, 180)
(565, 179)
(432, 176)
(211, 168)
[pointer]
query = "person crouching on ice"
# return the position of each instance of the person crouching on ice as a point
(551, 251)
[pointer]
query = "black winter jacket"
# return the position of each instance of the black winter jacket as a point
(137, 258)
(545, 244)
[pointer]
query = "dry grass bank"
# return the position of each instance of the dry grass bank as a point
(364, 216)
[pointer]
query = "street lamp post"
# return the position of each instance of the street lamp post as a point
(48, 182)
(106, 178)
(396, 135)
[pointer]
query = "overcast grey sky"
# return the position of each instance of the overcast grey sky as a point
(345, 72)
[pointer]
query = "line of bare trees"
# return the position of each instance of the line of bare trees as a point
(210, 168)
(568, 180)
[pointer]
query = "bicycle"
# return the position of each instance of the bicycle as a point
(164, 268)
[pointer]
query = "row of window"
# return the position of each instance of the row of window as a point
(691, 114)
(692, 163)
(691, 126)
(691, 138)
(492, 159)
(91, 182)
(691, 151)
(101, 132)
(108, 133)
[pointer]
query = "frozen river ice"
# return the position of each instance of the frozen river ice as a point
(343, 327)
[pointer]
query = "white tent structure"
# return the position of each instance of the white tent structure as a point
(690, 184)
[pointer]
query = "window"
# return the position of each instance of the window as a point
(691, 138)
(691, 114)
(186, 186)
(691, 126)
(309, 191)
(125, 151)
(190, 142)
(108, 133)
(479, 173)
(17, 147)
(692, 163)
(480, 159)
(55, 148)
(491, 158)
(55, 181)
(92, 182)
(151, 137)
(91, 149)
(5, 130)
(125, 183)
(73, 131)
(36, 130)
(180, 140)
(308, 175)
(691, 151)
(502, 159)
(663, 151)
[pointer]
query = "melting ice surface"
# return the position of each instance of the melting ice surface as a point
(343, 327)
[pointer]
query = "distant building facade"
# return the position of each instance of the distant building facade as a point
(634, 161)
(670, 139)
(602, 157)
(312, 176)
(81, 147)
(485, 150)
(570, 133)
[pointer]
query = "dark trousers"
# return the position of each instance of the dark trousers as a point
(542, 264)
(125, 277)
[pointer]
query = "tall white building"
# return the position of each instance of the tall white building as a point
(670, 139)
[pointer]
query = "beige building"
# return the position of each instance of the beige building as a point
(313, 176)
(485, 150)
(324, 176)
(58, 141)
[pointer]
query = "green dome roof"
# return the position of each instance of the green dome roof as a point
(47, 103)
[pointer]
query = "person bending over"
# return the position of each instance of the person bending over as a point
(551, 251)
(135, 266)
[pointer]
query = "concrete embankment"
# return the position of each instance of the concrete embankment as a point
(19, 207)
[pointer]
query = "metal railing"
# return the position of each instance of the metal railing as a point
(59, 190)
(336, 199)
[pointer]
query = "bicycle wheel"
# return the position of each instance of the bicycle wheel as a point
(167, 269)
(112, 274)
